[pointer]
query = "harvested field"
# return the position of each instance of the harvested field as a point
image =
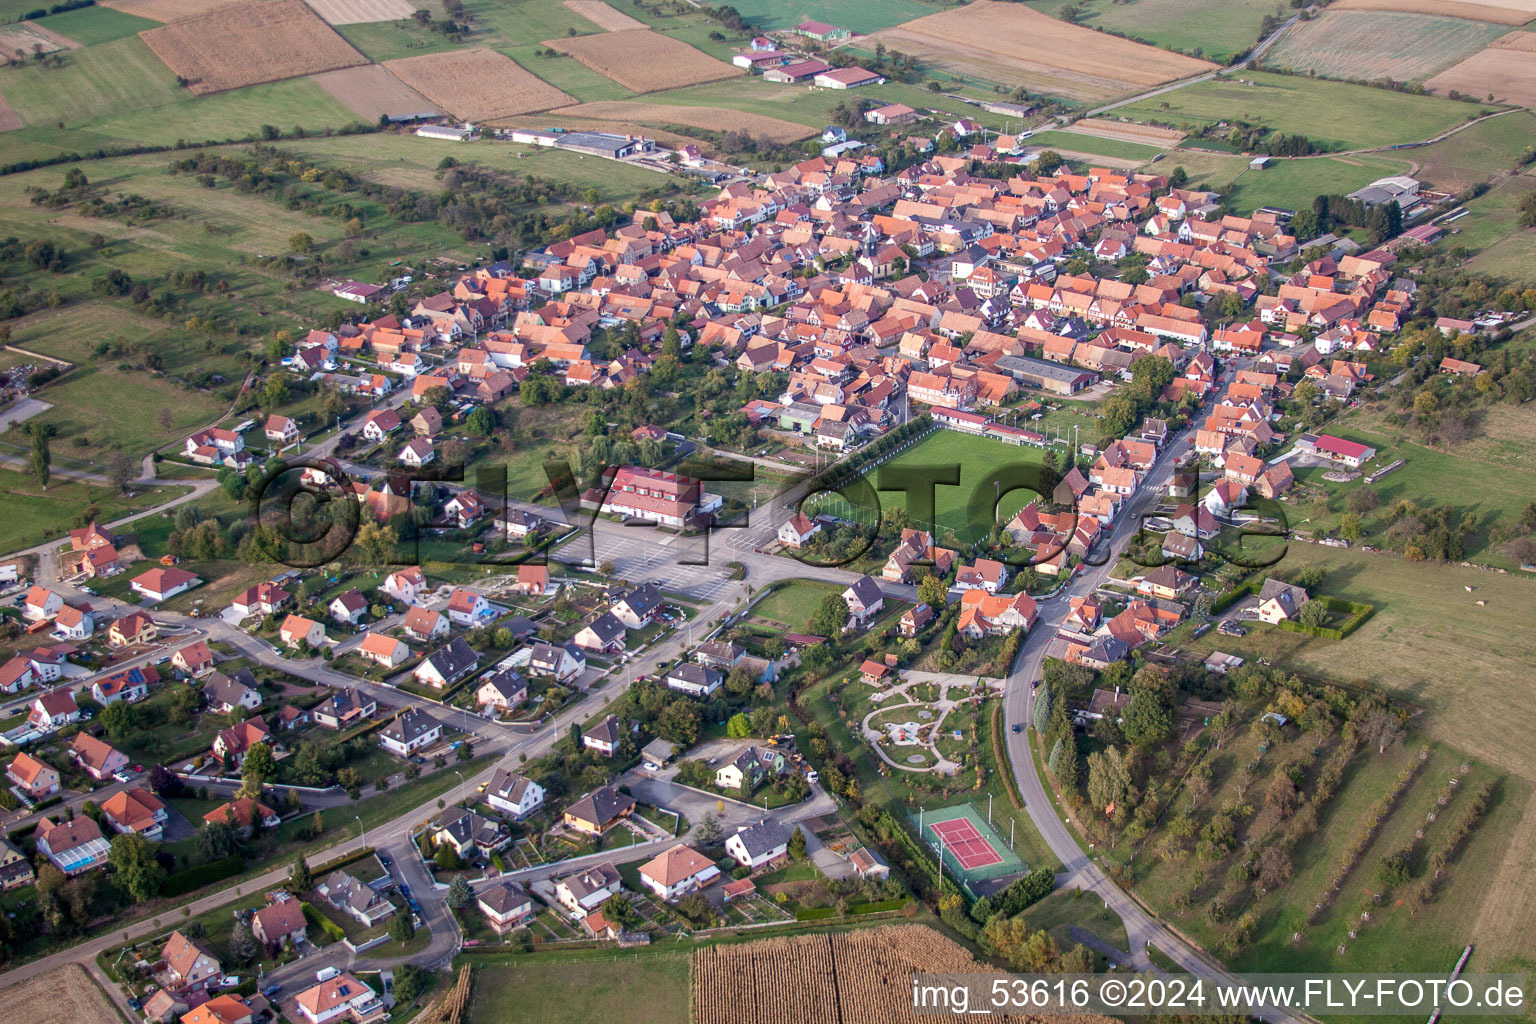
(26, 36)
(249, 45)
(166, 10)
(1015, 45)
(9, 119)
(1379, 44)
(1509, 75)
(477, 84)
(358, 12)
(644, 61)
(64, 995)
(1145, 134)
(1525, 41)
(716, 119)
(1500, 12)
(371, 92)
(604, 17)
(848, 976)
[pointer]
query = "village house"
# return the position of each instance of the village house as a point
(224, 693)
(583, 891)
(136, 810)
(447, 665)
(563, 663)
(338, 997)
(296, 630)
(350, 896)
(344, 708)
(189, 966)
(677, 872)
(36, 779)
(424, 624)
(96, 758)
(506, 906)
(413, 730)
(383, 650)
(759, 845)
(280, 924)
(598, 811)
(130, 685)
(515, 795)
(74, 846)
(501, 691)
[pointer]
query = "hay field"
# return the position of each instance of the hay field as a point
(1015, 45)
(166, 10)
(1524, 41)
(249, 45)
(603, 16)
(1379, 44)
(718, 119)
(25, 35)
(1143, 134)
(9, 119)
(644, 61)
(862, 975)
(359, 12)
(1500, 12)
(64, 995)
(477, 84)
(1508, 74)
(371, 92)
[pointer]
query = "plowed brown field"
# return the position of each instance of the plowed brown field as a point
(371, 92)
(759, 126)
(1500, 12)
(477, 84)
(603, 16)
(644, 61)
(246, 45)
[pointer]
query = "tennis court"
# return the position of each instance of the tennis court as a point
(969, 849)
(967, 845)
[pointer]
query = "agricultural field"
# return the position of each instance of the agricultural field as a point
(1470, 156)
(97, 81)
(477, 84)
(96, 24)
(1336, 114)
(258, 43)
(1093, 148)
(355, 12)
(644, 61)
(1372, 45)
(862, 17)
(29, 37)
(604, 16)
(1489, 229)
(1288, 184)
(648, 989)
(1126, 131)
(714, 119)
(860, 975)
(1507, 73)
(167, 10)
(64, 995)
(1500, 12)
(1217, 30)
(371, 91)
(1016, 45)
(9, 119)
(33, 515)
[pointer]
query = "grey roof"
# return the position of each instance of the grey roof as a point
(866, 591)
(549, 654)
(658, 750)
(590, 879)
(1291, 597)
(508, 683)
(719, 650)
(223, 689)
(1024, 366)
(508, 785)
(338, 704)
(606, 628)
(644, 600)
(763, 837)
(504, 897)
(411, 725)
(607, 730)
(601, 805)
(695, 674)
(455, 659)
(466, 826)
(342, 890)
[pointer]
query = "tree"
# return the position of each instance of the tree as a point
(1149, 717)
(1274, 866)
(797, 844)
(708, 830)
(739, 726)
(120, 469)
(1350, 527)
(1313, 613)
(375, 544)
(134, 866)
(410, 982)
(217, 840)
(830, 616)
(300, 242)
(459, 894)
(275, 392)
(42, 459)
(446, 857)
(299, 878)
(930, 590)
(740, 681)
(679, 722)
(620, 910)
(117, 718)
(258, 767)
(1109, 778)
(1380, 728)
(401, 928)
(1042, 709)
(161, 780)
(480, 422)
(242, 944)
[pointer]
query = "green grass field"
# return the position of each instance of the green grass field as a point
(1502, 248)
(96, 81)
(89, 26)
(1063, 909)
(646, 989)
(1219, 30)
(1471, 156)
(794, 603)
(34, 515)
(1370, 45)
(1334, 114)
(979, 460)
(1290, 184)
(1094, 145)
(865, 16)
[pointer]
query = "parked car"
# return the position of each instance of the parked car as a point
(1017, 727)
(121, 776)
(271, 990)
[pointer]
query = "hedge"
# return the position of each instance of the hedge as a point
(1000, 755)
(1359, 612)
(815, 913)
(325, 924)
(880, 907)
(204, 874)
(1227, 597)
